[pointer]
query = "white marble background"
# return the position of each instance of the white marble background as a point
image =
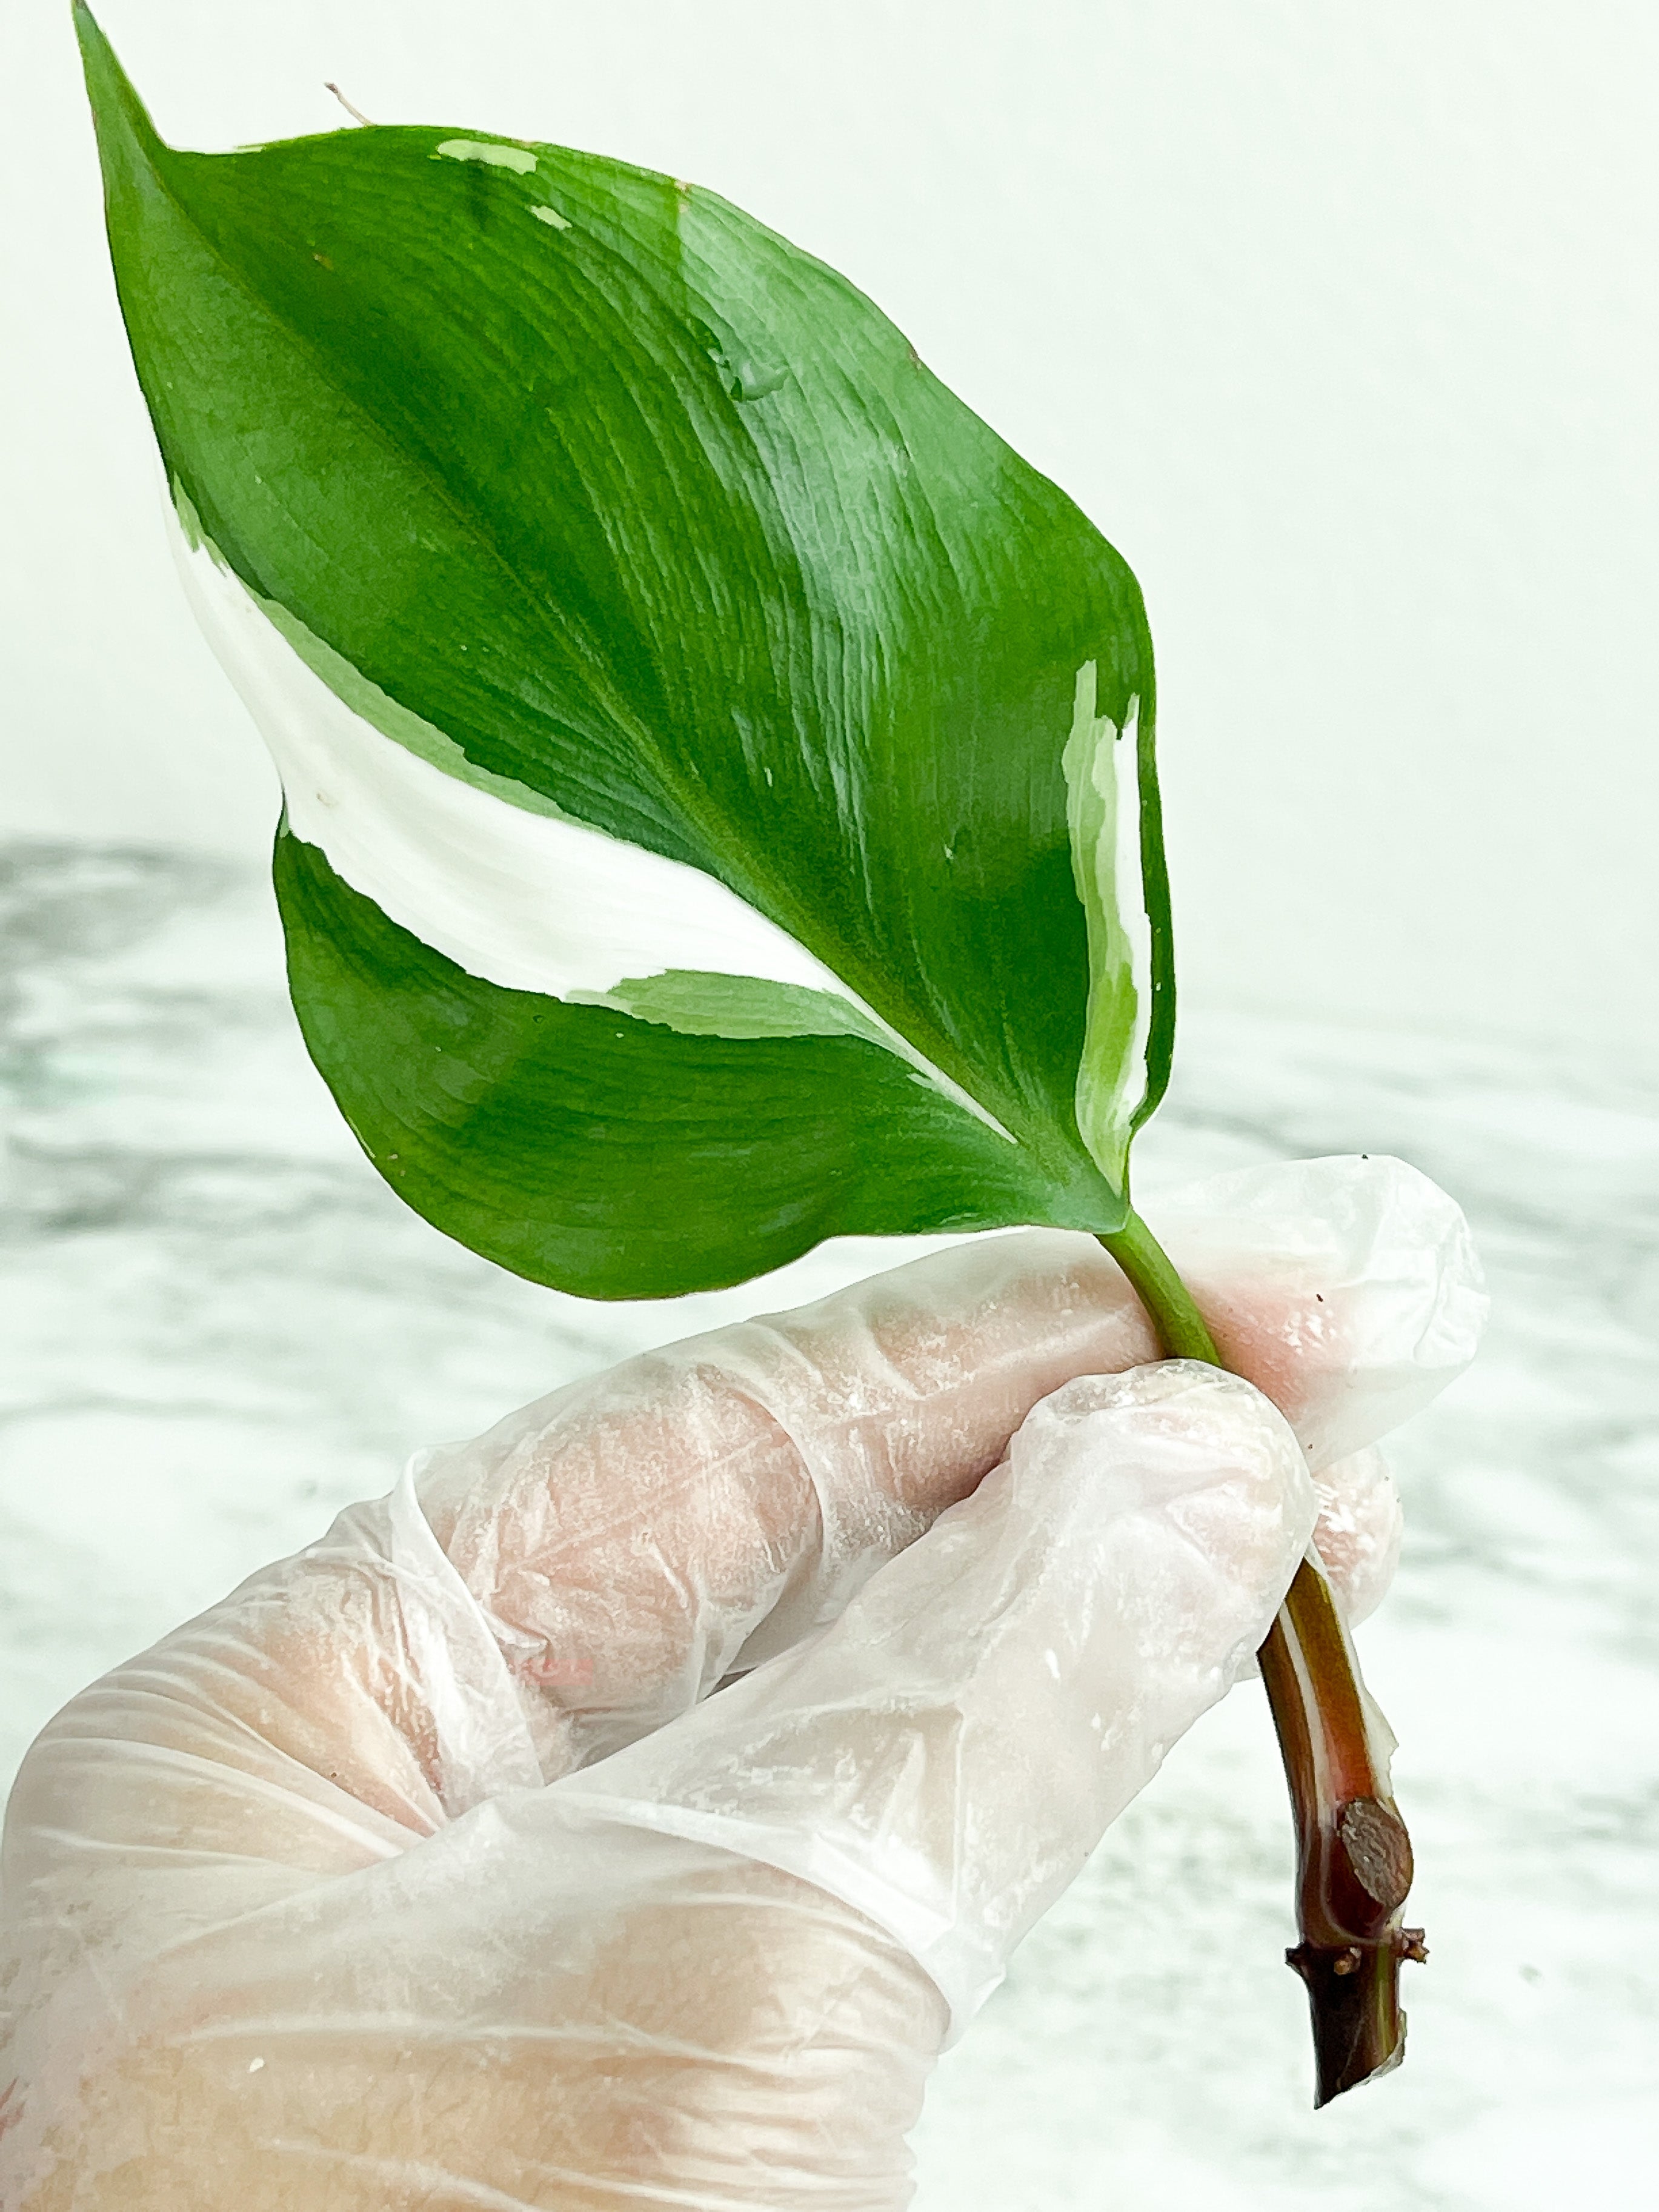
(219, 1326)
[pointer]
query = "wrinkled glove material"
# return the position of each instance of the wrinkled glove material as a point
(426, 1869)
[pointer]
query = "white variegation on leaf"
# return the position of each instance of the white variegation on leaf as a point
(1101, 764)
(488, 872)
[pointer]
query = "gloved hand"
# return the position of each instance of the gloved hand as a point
(425, 1870)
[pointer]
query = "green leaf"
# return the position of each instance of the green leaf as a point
(646, 633)
(672, 1163)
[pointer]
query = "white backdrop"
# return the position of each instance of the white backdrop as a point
(1339, 318)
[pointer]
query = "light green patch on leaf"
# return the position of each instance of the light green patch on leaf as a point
(552, 217)
(488, 151)
(696, 1003)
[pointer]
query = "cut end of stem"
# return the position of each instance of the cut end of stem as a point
(1353, 1987)
(1353, 1998)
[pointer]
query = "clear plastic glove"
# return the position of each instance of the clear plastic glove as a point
(425, 1871)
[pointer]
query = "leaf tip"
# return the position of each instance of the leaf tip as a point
(119, 116)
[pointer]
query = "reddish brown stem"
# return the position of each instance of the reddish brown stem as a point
(1353, 1855)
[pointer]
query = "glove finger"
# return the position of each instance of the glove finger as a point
(634, 1539)
(1358, 1536)
(1347, 1289)
(533, 2008)
(946, 1755)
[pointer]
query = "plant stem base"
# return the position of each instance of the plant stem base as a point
(1354, 1996)
(1353, 1855)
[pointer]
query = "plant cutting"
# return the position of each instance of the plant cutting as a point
(722, 807)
